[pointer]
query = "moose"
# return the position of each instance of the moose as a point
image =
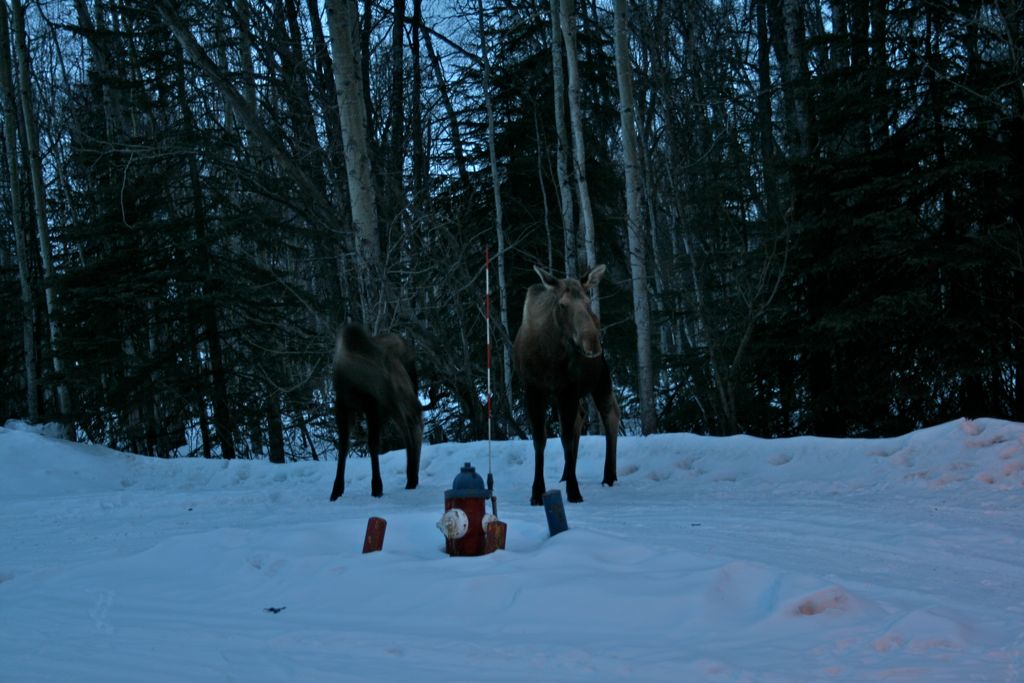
(376, 376)
(557, 352)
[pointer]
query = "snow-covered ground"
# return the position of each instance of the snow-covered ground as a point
(713, 559)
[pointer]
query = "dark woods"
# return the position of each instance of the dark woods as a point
(814, 227)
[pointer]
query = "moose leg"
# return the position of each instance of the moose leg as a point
(581, 419)
(373, 427)
(413, 444)
(536, 410)
(344, 422)
(568, 413)
(608, 407)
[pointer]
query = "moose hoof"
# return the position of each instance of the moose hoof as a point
(335, 496)
(575, 499)
(411, 484)
(607, 482)
(535, 500)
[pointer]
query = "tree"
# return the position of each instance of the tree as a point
(342, 20)
(567, 22)
(30, 138)
(499, 227)
(11, 120)
(634, 222)
(564, 186)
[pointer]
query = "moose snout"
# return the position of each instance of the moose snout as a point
(590, 346)
(584, 329)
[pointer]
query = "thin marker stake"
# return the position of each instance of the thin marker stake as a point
(487, 309)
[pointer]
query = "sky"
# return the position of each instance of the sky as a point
(712, 559)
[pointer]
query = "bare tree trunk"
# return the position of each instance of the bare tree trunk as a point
(795, 72)
(766, 137)
(567, 21)
(300, 104)
(419, 159)
(396, 156)
(275, 429)
(156, 438)
(562, 158)
(362, 57)
(635, 227)
(327, 96)
(325, 81)
(542, 184)
(499, 228)
(204, 419)
(307, 439)
(567, 17)
(395, 168)
(298, 96)
(28, 313)
(245, 52)
(342, 20)
(879, 66)
(31, 142)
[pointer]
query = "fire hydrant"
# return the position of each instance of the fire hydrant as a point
(464, 523)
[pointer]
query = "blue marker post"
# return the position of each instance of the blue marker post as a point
(555, 511)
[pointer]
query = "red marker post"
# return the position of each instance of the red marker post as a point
(374, 540)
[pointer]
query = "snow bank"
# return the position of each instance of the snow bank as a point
(732, 559)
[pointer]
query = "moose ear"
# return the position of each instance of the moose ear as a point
(549, 280)
(592, 278)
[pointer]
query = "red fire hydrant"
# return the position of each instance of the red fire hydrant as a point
(465, 521)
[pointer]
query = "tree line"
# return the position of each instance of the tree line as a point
(810, 211)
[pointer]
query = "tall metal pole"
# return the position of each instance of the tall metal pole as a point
(487, 311)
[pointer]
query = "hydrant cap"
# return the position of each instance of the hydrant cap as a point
(467, 484)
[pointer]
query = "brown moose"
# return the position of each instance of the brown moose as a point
(376, 376)
(557, 352)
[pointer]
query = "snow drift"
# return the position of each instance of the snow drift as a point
(712, 559)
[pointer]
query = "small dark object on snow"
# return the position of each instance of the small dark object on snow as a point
(555, 512)
(274, 610)
(558, 353)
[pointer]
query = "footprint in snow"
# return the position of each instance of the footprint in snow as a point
(100, 610)
(833, 599)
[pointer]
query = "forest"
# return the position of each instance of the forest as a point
(811, 211)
